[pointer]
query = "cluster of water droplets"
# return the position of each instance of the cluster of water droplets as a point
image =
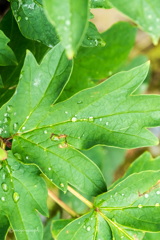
(5, 187)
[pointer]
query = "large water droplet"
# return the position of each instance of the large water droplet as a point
(88, 228)
(15, 197)
(74, 119)
(45, 131)
(9, 108)
(91, 119)
(4, 187)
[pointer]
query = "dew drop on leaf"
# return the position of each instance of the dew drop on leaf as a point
(91, 119)
(9, 108)
(15, 197)
(79, 102)
(49, 169)
(88, 228)
(146, 195)
(15, 126)
(4, 187)
(140, 206)
(158, 192)
(3, 199)
(62, 184)
(157, 205)
(45, 131)
(74, 119)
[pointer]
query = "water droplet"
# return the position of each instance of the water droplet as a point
(107, 123)
(88, 228)
(91, 119)
(140, 206)
(66, 112)
(122, 194)
(23, 128)
(7, 120)
(26, 18)
(146, 195)
(3, 176)
(4, 187)
(27, 157)
(8, 169)
(6, 114)
(49, 169)
(3, 199)
(68, 22)
(100, 119)
(27, 117)
(15, 126)
(14, 113)
(74, 119)
(62, 184)
(9, 108)
(157, 205)
(79, 102)
(158, 192)
(15, 197)
(79, 222)
(45, 131)
(19, 19)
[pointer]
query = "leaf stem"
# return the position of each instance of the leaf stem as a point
(79, 196)
(62, 204)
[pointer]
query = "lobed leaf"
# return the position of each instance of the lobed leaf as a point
(22, 191)
(32, 21)
(145, 13)
(70, 20)
(7, 56)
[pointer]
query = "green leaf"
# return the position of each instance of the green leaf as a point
(108, 114)
(70, 20)
(3, 154)
(93, 37)
(133, 203)
(145, 13)
(143, 163)
(90, 226)
(151, 236)
(1, 82)
(22, 191)
(10, 74)
(97, 63)
(100, 4)
(32, 21)
(4, 225)
(46, 81)
(58, 225)
(7, 56)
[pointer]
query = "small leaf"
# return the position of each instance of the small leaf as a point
(32, 21)
(3, 154)
(70, 20)
(58, 225)
(7, 56)
(146, 14)
(93, 37)
(22, 191)
(100, 4)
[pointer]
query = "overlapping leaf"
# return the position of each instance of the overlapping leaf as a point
(42, 85)
(70, 20)
(7, 56)
(32, 21)
(125, 212)
(22, 191)
(145, 13)
(94, 64)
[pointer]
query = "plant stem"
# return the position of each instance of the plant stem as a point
(79, 196)
(62, 204)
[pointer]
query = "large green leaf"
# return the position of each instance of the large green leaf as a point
(32, 21)
(122, 213)
(97, 63)
(43, 83)
(134, 202)
(145, 13)
(70, 20)
(7, 56)
(22, 191)
(107, 114)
